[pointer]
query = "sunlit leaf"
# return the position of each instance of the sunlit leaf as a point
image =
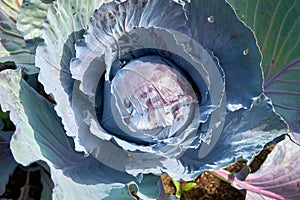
(188, 186)
(30, 21)
(31, 18)
(64, 25)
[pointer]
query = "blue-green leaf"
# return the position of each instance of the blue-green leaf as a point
(31, 18)
(32, 15)
(39, 136)
(245, 134)
(64, 25)
(276, 25)
(215, 26)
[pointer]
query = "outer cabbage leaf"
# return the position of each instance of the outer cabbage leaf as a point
(278, 177)
(64, 25)
(215, 26)
(39, 136)
(243, 136)
(112, 21)
(12, 46)
(7, 164)
(31, 18)
(276, 25)
(32, 15)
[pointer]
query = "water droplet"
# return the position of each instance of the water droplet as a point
(127, 103)
(245, 52)
(211, 19)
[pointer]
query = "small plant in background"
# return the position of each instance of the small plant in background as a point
(182, 187)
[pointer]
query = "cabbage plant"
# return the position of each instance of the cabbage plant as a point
(133, 89)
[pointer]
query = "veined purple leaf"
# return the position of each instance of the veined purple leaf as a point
(278, 177)
(276, 26)
(284, 90)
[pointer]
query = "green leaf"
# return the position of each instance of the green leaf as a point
(276, 25)
(10, 88)
(13, 47)
(30, 21)
(31, 18)
(39, 136)
(188, 186)
(10, 8)
(177, 187)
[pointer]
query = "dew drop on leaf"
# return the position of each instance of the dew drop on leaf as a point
(211, 19)
(245, 52)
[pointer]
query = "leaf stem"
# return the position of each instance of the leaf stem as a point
(243, 184)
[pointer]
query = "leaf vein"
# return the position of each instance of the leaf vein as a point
(274, 56)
